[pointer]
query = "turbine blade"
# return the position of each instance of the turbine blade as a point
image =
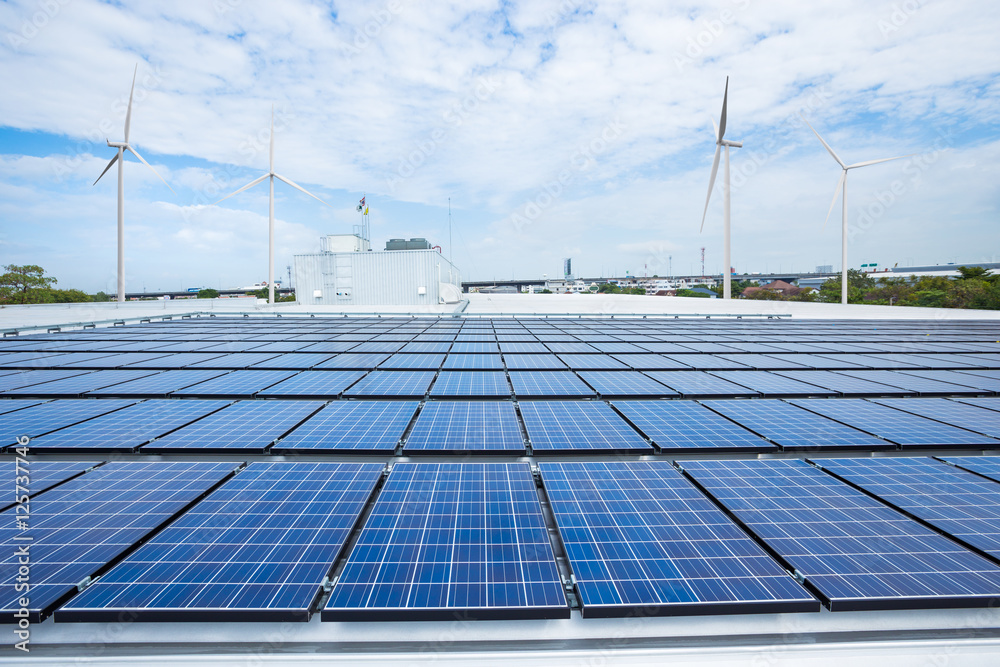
(299, 187)
(128, 114)
(141, 159)
(715, 127)
(711, 184)
(272, 139)
(245, 187)
(886, 159)
(113, 160)
(835, 157)
(836, 195)
(722, 121)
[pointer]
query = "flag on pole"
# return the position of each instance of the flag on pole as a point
(366, 210)
(361, 204)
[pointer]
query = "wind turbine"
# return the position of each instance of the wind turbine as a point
(270, 221)
(119, 157)
(720, 142)
(842, 189)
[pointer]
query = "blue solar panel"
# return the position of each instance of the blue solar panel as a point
(954, 501)
(763, 361)
(856, 552)
(207, 565)
(618, 347)
(968, 382)
(913, 382)
(688, 426)
(566, 347)
(523, 348)
(79, 527)
(283, 346)
(249, 426)
(770, 384)
(426, 347)
(71, 360)
(475, 348)
(954, 413)
(115, 360)
(328, 346)
(987, 403)
(41, 475)
(664, 348)
(476, 426)
(158, 385)
(361, 362)
(76, 385)
(794, 428)
(578, 426)
(237, 384)
(592, 361)
(46, 417)
(818, 362)
(351, 425)
(14, 404)
(844, 385)
(177, 360)
(642, 541)
(403, 384)
(449, 541)
(533, 362)
(698, 384)
(617, 384)
(548, 384)
(894, 425)
(234, 361)
(377, 347)
(987, 466)
(707, 362)
(314, 384)
(293, 360)
(473, 362)
(470, 384)
(650, 362)
(413, 362)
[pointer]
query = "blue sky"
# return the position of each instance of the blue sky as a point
(558, 128)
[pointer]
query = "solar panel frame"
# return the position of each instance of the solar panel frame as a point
(548, 384)
(470, 384)
(700, 384)
(465, 426)
(536, 362)
(921, 385)
(350, 426)
(473, 362)
(320, 385)
(392, 384)
(579, 426)
(625, 384)
(687, 426)
(158, 385)
(235, 384)
(771, 384)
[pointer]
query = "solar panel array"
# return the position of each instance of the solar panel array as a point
(566, 494)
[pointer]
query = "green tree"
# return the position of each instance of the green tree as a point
(973, 273)
(25, 284)
(858, 284)
(101, 297)
(208, 293)
(67, 296)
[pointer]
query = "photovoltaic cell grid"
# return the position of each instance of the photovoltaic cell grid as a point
(617, 384)
(46, 417)
(680, 426)
(858, 553)
(543, 384)
(374, 426)
(76, 385)
(641, 539)
(452, 426)
(771, 384)
(402, 384)
(491, 384)
(845, 385)
(79, 527)
(699, 384)
(987, 466)
(39, 476)
(258, 548)
(912, 382)
(126, 429)
(158, 385)
(246, 426)
(237, 384)
(953, 413)
(451, 538)
(794, 428)
(903, 428)
(314, 384)
(555, 426)
(954, 501)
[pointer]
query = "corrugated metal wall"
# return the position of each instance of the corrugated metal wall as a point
(388, 278)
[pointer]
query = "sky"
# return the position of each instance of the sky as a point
(557, 128)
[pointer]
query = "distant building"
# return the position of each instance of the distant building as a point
(824, 268)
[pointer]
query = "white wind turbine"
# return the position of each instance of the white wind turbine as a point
(842, 190)
(123, 146)
(720, 141)
(270, 222)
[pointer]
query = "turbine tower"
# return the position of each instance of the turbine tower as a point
(270, 220)
(842, 189)
(720, 142)
(119, 157)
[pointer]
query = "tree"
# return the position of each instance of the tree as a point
(208, 293)
(24, 284)
(974, 273)
(858, 284)
(101, 297)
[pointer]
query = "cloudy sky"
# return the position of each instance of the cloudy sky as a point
(558, 128)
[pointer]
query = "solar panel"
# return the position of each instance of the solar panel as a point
(378, 347)
(523, 348)
(664, 348)
(476, 426)
(592, 361)
(987, 403)
(430, 348)
(473, 362)
(79, 527)
(987, 466)
(689, 426)
(46, 417)
(475, 348)
(965, 416)
(854, 551)
(361, 362)
(642, 541)
(176, 360)
(548, 384)
(706, 362)
(967, 381)
(555, 426)
(328, 346)
(900, 427)
(471, 384)
(533, 362)
(567, 347)
(956, 502)
(845, 385)
(109, 361)
(709, 347)
(413, 362)
(620, 384)
(913, 382)
(698, 384)
(794, 428)
(234, 361)
(42, 476)
(293, 360)
(207, 565)
(249, 426)
(448, 541)
(72, 360)
(158, 385)
(770, 384)
(763, 361)
(314, 384)
(650, 362)
(237, 384)
(402, 384)
(71, 387)
(375, 426)
(283, 346)
(14, 404)
(618, 348)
